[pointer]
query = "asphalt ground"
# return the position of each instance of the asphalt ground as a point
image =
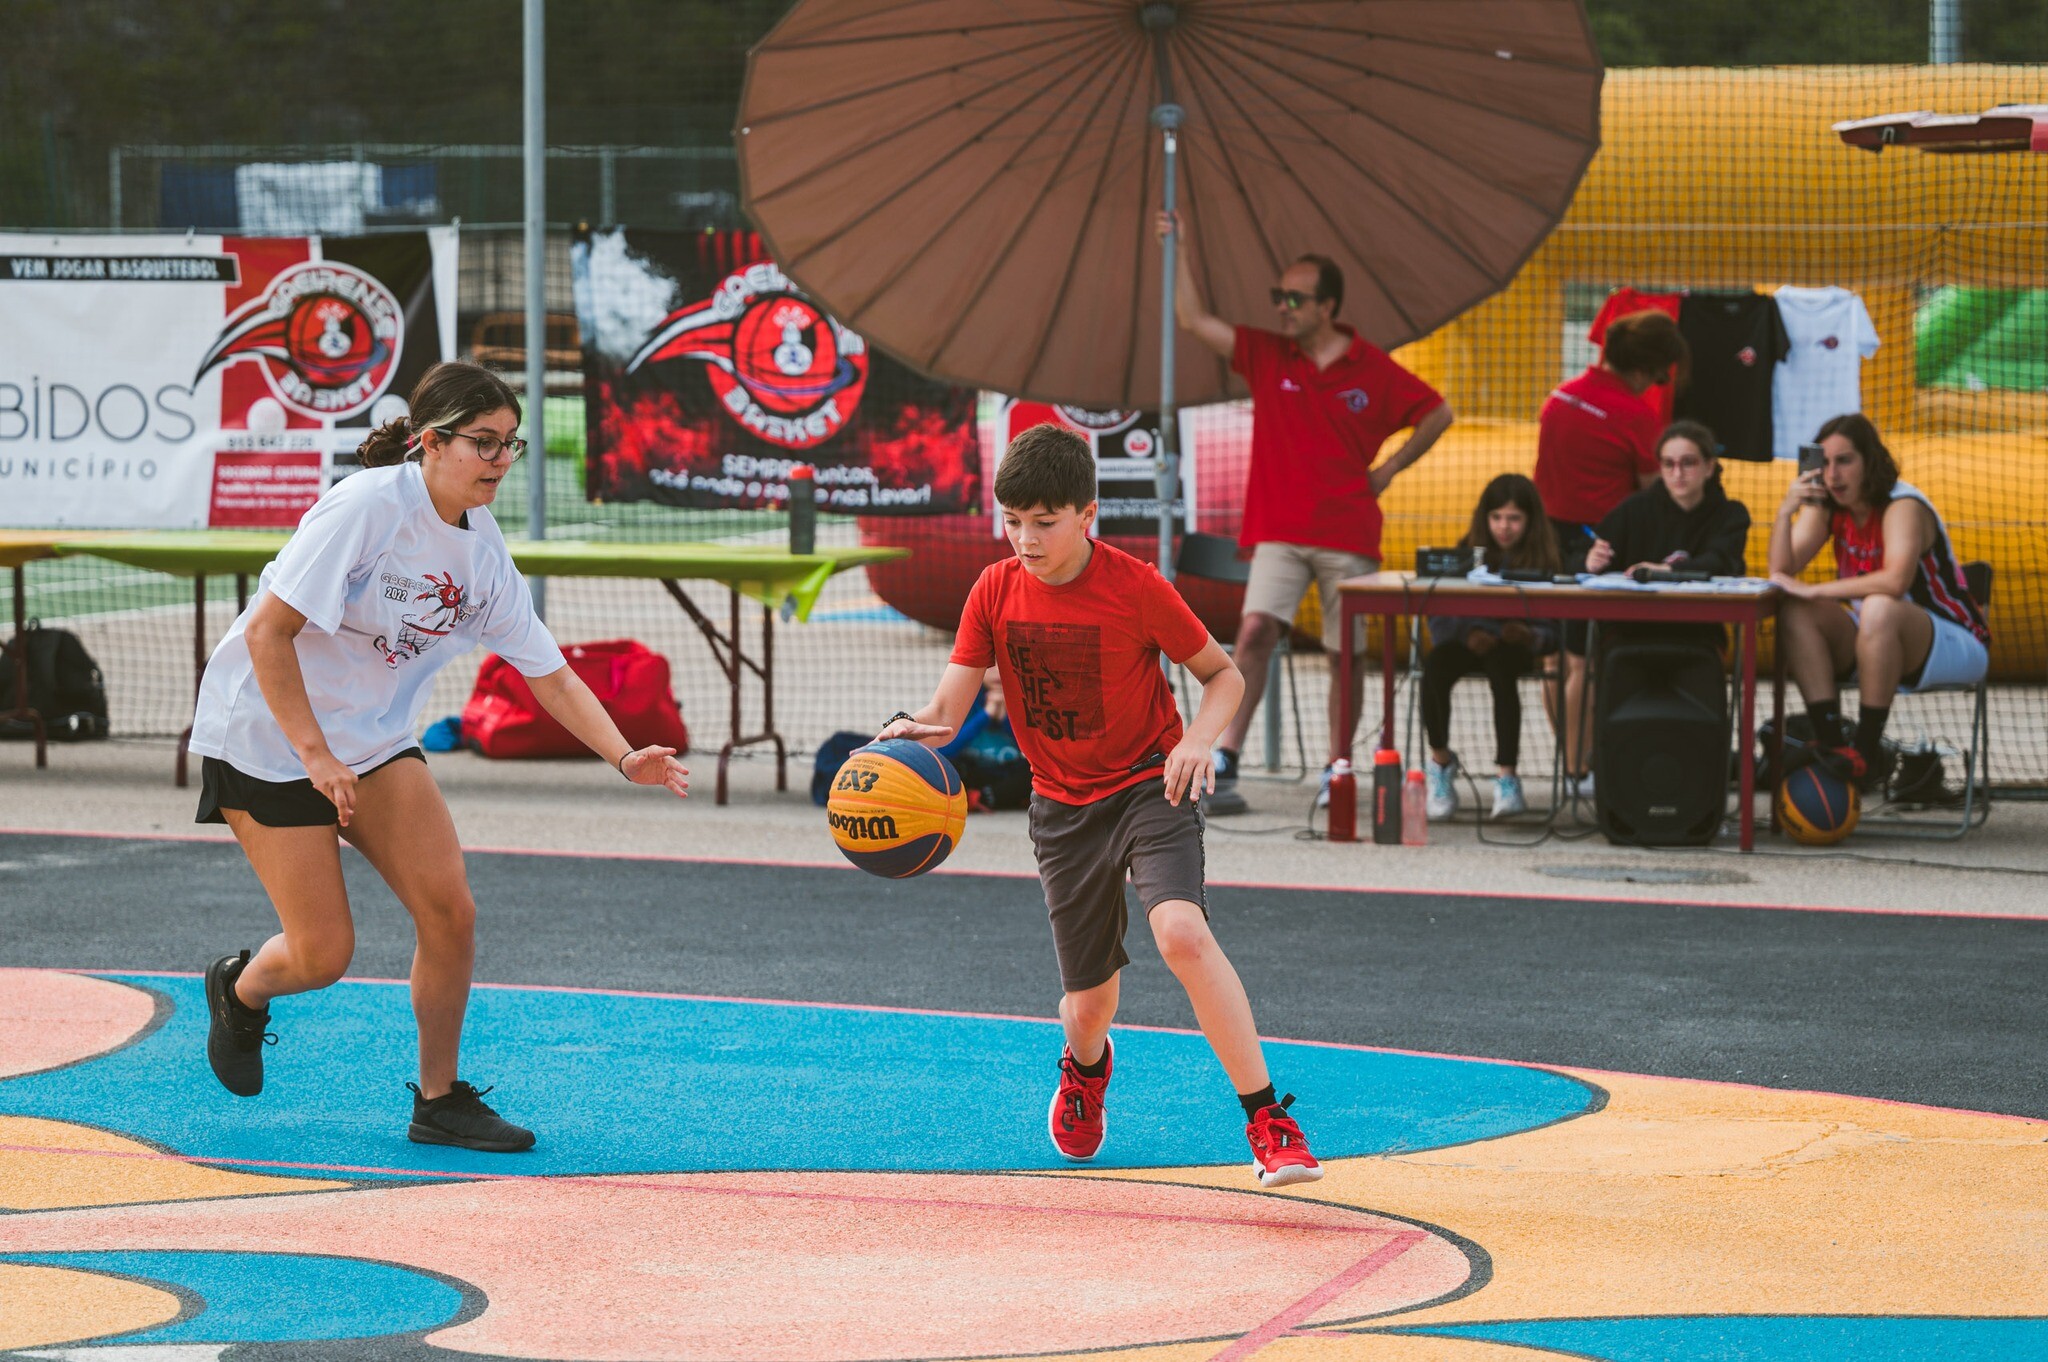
(1941, 1010)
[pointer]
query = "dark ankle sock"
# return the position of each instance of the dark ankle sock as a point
(1229, 766)
(1097, 1069)
(1870, 721)
(1827, 722)
(1256, 1102)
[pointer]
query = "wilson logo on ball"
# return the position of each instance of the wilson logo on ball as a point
(327, 336)
(869, 828)
(778, 366)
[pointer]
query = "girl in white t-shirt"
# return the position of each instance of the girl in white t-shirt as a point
(306, 719)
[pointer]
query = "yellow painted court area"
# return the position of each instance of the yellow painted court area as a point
(42, 1306)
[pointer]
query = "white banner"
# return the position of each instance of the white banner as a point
(187, 382)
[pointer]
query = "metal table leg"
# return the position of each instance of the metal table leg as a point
(728, 650)
(198, 673)
(1747, 785)
(22, 708)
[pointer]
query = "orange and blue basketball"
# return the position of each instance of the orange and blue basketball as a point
(897, 808)
(1816, 807)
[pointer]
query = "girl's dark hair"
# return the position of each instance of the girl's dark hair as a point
(1880, 469)
(1646, 343)
(1538, 545)
(448, 395)
(1047, 466)
(1702, 438)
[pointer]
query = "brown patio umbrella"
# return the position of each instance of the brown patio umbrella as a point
(971, 183)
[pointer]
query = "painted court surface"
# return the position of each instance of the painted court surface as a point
(795, 1113)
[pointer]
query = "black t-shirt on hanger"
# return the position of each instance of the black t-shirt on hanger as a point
(1736, 340)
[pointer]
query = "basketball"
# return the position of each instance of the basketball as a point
(1816, 807)
(897, 808)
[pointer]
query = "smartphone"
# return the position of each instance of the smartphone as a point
(1811, 459)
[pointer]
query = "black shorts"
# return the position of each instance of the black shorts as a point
(273, 803)
(1085, 851)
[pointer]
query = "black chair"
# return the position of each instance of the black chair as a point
(1976, 793)
(1213, 557)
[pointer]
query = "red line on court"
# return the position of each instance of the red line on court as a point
(959, 872)
(1283, 1323)
(744, 1193)
(1568, 1070)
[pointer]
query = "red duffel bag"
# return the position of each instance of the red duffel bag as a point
(502, 718)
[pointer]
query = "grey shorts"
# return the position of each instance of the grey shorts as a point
(1085, 851)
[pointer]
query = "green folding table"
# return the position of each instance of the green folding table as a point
(772, 576)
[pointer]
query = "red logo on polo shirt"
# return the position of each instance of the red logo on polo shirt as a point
(1831, 342)
(1747, 354)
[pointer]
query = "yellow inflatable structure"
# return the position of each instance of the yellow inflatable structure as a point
(1733, 179)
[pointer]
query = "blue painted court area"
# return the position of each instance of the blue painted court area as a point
(626, 1084)
(1767, 1338)
(273, 1297)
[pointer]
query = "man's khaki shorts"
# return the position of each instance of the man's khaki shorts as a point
(1280, 577)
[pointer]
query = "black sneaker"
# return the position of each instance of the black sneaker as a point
(235, 1032)
(1224, 799)
(460, 1117)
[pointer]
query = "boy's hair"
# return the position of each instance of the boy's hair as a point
(1046, 466)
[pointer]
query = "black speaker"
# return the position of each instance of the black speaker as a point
(1660, 744)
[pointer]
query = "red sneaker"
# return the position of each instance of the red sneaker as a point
(1280, 1156)
(1076, 1119)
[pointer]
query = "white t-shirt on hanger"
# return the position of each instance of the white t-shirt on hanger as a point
(1821, 376)
(391, 593)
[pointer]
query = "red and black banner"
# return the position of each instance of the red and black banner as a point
(708, 375)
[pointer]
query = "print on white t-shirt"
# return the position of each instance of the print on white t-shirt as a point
(391, 593)
(1821, 376)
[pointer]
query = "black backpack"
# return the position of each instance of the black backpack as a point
(64, 686)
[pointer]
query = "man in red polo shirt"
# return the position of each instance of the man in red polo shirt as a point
(1324, 400)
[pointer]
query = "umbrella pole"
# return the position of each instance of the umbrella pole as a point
(1158, 19)
(1166, 467)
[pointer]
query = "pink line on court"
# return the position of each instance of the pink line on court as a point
(1283, 1323)
(743, 1193)
(1574, 1069)
(952, 872)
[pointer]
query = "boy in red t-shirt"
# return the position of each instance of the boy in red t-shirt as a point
(1076, 628)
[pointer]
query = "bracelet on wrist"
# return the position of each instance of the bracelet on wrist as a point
(621, 762)
(899, 714)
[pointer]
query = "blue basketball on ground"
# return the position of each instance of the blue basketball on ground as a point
(897, 808)
(1816, 807)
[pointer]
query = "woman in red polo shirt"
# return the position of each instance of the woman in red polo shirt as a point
(1595, 448)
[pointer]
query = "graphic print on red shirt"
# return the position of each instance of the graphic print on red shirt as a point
(1059, 677)
(1080, 668)
(1315, 435)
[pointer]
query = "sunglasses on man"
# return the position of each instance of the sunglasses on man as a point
(1293, 299)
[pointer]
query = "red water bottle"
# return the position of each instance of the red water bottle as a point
(1343, 802)
(1415, 811)
(1386, 797)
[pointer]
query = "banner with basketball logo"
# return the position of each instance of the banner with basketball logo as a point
(1125, 444)
(708, 375)
(189, 382)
